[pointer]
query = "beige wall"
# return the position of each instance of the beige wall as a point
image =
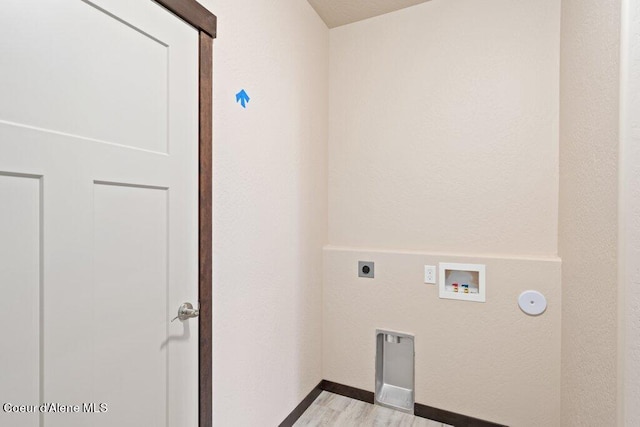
(629, 219)
(270, 209)
(488, 361)
(443, 139)
(588, 209)
(444, 128)
(443, 146)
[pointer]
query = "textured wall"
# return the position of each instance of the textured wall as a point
(489, 360)
(629, 227)
(270, 208)
(588, 209)
(444, 128)
(443, 139)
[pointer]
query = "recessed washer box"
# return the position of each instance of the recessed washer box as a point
(462, 281)
(395, 370)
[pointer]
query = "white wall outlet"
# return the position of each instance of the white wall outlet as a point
(430, 274)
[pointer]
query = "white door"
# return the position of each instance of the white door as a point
(98, 213)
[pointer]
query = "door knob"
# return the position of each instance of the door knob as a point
(186, 311)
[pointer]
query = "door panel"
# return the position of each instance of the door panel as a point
(20, 242)
(98, 211)
(77, 69)
(130, 300)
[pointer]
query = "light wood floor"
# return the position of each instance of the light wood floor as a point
(333, 410)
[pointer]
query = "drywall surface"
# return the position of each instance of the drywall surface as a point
(443, 147)
(629, 226)
(270, 209)
(487, 360)
(443, 128)
(588, 209)
(339, 12)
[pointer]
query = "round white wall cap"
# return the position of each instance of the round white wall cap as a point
(532, 302)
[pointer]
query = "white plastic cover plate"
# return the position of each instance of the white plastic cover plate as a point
(532, 302)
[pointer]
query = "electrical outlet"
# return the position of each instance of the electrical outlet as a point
(430, 274)
(365, 269)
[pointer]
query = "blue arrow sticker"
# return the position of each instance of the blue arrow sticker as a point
(242, 98)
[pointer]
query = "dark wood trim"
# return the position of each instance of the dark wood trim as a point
(348, 391)
(193, 13)
(303, 406)
(205, 383)
(420, 410)
(451, 418)
(203, 20)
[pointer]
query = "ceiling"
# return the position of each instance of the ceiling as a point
(340, 12)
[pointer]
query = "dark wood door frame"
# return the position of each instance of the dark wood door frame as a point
(204, 21)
